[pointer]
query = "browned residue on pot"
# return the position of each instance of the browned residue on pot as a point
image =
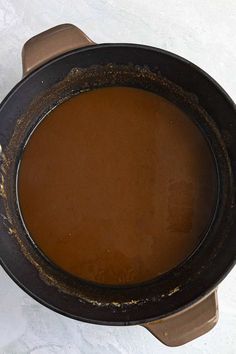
(81, 80)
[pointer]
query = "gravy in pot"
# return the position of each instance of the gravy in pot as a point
(117, 185)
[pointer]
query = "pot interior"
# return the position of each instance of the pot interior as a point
(142, 194)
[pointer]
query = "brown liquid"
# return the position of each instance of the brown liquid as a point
(116, 185)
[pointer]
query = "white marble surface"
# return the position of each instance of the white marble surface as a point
(203, 31)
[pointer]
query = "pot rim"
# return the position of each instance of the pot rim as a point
(230, 262)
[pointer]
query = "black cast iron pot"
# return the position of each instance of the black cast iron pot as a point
(181, 304)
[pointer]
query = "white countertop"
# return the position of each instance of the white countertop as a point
(203, 31)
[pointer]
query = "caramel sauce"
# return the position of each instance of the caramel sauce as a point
(117, 185)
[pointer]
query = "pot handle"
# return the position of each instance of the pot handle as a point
(50, 44)
(188, 324)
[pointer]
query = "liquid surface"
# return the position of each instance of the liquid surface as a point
(116, 185)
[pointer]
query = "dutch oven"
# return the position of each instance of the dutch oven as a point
(180, 304)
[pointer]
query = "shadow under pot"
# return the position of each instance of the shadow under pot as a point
(117, 184)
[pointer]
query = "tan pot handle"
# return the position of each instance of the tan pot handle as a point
(50, 44)
(188, 324)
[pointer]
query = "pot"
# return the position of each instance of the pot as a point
(179, 305)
